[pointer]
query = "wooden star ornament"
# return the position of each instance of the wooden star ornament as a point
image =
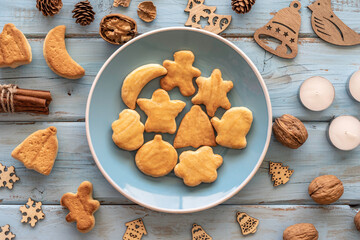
(161, 112)
(213, 92)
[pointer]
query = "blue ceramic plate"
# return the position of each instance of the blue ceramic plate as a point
(169, 194)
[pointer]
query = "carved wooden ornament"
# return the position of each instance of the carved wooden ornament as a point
(197, 10)
(247, 224)
(31, 212)
(7, 177)
(198, 233)
(329, 27)
(280, 174)
(5, 233)
(284, 27)
(135, 230)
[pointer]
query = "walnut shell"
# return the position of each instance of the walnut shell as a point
(357, 221)
(117, 28)
(290, 131)
(147, 11)
(326, 189)
(301, 231)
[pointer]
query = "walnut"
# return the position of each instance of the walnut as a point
(117, 28)
(357, 221)
(290, 131)
(147, 11)
(301, 231)
(326, 189)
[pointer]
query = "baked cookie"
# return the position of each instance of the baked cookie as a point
(15, 49)
(57, 57)
(180, 73)
(128, 131)
(82, 207)
(38, 151)
(233, 127)
(195, 130)
(136, 81)
(199, 166)
(156, 158)
(212, 92)
(161, 112)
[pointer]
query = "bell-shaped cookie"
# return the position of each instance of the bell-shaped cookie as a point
(38, 151)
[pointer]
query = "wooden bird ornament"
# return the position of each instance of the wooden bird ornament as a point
(329, 27)
(285, 27)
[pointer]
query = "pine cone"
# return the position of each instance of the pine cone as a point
(49, 7)
(83, 12)
(242, 6)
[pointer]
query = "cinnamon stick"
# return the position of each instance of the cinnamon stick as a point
(37, 110)
(34, 93)
(27, 101)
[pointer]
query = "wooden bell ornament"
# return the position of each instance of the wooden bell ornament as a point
(247, 224)
(284, 27)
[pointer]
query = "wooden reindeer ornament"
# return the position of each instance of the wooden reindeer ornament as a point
(285, 27)
(197, 10)
(329, 27)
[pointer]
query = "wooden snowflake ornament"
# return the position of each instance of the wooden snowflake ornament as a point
(135, 230)
(247, 224)
(7, 176)
(198, 233)
(280, 174)
(5, 233)
(32, 212)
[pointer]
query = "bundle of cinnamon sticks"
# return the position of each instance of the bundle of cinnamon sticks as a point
(25, 100)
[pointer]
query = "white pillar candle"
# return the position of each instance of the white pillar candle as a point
(344, 132)
(354, 86)
(317, 93)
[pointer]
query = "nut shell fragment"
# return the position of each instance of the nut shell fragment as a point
(301, 231)
(326, 189)
(357, 221)
(147, 11)
(117, 28)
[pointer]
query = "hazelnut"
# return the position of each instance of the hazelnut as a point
(303, 231)
(290, 131)
(326, 189)
(357, 221)
(117, 28)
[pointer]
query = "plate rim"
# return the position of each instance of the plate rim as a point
(248, 178)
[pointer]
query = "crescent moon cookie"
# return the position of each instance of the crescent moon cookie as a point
(57, 57)
(199, 166)
(38, 151)
(213, 92)
(15, 49)
(180, 73)
(195, 130)
(128, 131)
(156, 158)
(161, 112)
(233, 127)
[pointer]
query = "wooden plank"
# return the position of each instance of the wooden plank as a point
(170, 13)
(283, 77)
(332, 222)
(75, 164)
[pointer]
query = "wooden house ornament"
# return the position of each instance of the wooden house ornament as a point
(135, 230)
(280, 174)
(198, 233)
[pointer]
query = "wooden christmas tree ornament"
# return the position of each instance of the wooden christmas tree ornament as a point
(247, 224)
(329, 27)
(135, 230)
(7, 177)
(5, 233)
(32, 212)
(197, 10)
(280, 174)
(284, 27)
(198, 233)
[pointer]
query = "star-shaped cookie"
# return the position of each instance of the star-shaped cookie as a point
(199, 166)
(180, 73)
(213, 92)
(161, 112)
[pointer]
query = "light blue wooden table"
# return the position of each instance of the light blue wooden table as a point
(276, 208)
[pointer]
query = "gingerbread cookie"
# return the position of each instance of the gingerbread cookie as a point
(199, 166)
(15, 49)
(128, 131)
(81, 206)
(161, 112)
(156, 158)
(195, 130)
(180, 73)
(38, 151)
(57, 57)
(212, 92)
(233, 127)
